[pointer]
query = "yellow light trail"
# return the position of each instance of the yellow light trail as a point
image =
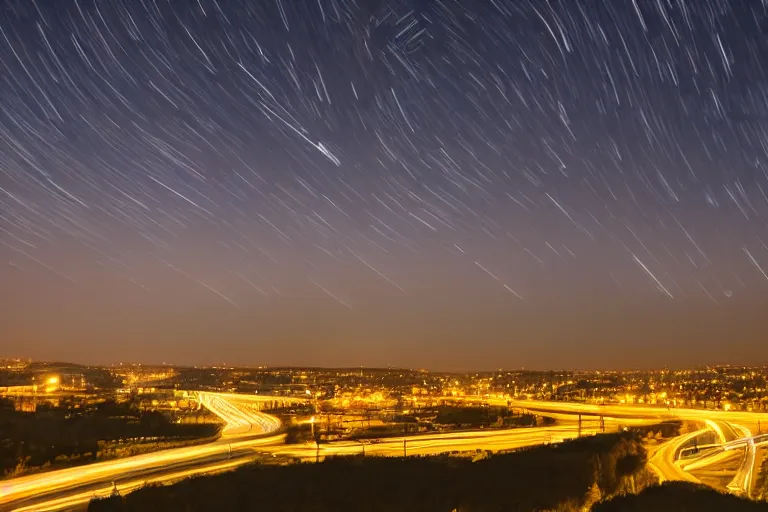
(60, 489)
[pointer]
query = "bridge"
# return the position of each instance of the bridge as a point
(675, 460)
(244, 414)
(251, 433)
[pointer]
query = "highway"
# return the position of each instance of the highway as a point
(748, 419)
(239, 417)
(55, 491)
(245, 429)
(712, 458)
(77, 495)
(159, 465)
(433, 444)
(742, 480)
(250, 434)
(663, 460)
(732, 428)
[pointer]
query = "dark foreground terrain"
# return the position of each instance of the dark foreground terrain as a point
(59, 437)
(679, 497)
(568, 477)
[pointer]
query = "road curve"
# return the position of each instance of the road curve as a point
(66, 488)
(238, 413)
(63, 489)
(244, 429)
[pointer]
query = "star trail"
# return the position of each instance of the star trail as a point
(443, 184)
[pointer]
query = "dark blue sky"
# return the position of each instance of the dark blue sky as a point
(447, 184)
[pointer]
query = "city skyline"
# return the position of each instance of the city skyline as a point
(13, 361)
(443, 185)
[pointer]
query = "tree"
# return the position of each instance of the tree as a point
(628, 466)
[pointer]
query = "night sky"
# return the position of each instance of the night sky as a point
(443, 184)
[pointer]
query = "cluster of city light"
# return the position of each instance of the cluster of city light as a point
(52, 384)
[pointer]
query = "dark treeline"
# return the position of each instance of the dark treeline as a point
(604, 473)
(564, 477)
(760, 489)
(481, 416)
(64, 436)
(679, 496)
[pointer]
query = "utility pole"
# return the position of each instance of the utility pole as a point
(579, 432)
(405, 437)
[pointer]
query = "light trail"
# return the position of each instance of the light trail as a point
(663, 461)
(237, 414)
(80, 499)
(63, 489)
(57, 490)
(65, 481)
(241, 426)
(51, 492)
(729, 426)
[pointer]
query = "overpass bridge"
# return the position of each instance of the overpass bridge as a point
(244, 414)
(251, 431)
(733, 430)
(256, 402)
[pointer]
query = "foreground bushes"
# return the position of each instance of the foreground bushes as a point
(677, 497)
(569, 477)
(58, 437)
(564, 477)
